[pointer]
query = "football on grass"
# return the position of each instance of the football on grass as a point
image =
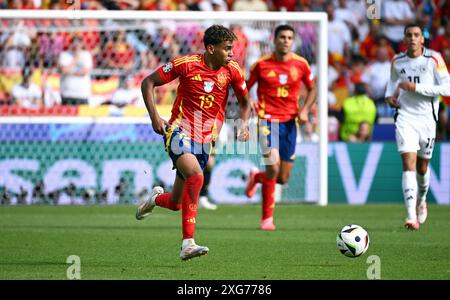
(352, 240)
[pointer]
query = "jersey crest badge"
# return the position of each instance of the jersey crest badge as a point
(167, 67)
(208, 86)
(221, 80)
(282, 78)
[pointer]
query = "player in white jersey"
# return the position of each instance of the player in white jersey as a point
(418, 77)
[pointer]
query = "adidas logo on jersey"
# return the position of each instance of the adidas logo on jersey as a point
(197, 77)
(271, 74)
(403, 71)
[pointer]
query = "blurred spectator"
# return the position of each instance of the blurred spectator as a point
(307, 134)
(52, 96)
(250, 5)
(75, 66)
(339, 36)
(241, 45)
(14, 46)
(427, 12)
(395, 14)
(53, 196)
(283, 5)
(121, 4)
(333, 129)
(5, 197)
(166, 44)
(425, 21)
(363, 134)
(127, 93)
(345, 14)
(22, 196)
(441, 43)
(38, 195)
(88, 195)
(355, 110)
(120, 191)
(219, 5)
(306, 40)
(101, 196)
(141, 49)
(376, 76)
(71, 191)
(22, 4)
(51, 44)
(27, 94)
(444, 7)
(316, 5)
(359, 9)
(188, 5)
(368, 43)
(118, 53)
(355, 73)
(443, 125)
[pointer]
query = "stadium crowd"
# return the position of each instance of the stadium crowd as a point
(59, 62)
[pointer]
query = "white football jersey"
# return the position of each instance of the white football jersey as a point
(431, 77)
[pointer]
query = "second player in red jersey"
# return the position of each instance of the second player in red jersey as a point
(279, 85)
(279, 76)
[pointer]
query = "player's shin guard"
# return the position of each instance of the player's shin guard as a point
(191, 191)
(423, 184)
(409, 185)
(268, 197)
(165, 200)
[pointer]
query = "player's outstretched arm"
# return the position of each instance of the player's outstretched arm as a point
(442, 78)
(431, 90)
(147, 86)
(244, 109)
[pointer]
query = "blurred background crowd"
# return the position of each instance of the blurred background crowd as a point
(67, 66)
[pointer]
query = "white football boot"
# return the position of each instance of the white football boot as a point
(146, 208)
(422, 212)
(190, 250)
(204, 203)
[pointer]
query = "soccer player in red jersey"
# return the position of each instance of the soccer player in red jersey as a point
(196, 115)
(279, 76)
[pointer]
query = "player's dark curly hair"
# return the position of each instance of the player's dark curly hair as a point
(217, 34)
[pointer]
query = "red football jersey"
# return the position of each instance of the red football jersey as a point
(279, 85)
(202, 94)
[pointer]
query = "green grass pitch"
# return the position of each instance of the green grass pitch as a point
(35, 242)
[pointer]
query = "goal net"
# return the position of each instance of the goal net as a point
(104, 150)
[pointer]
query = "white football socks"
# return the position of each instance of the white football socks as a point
(409, 185)
(423, 183)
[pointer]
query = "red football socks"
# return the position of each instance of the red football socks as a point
(165, 200)
(268, 197)
(191, 191)
(260, 176)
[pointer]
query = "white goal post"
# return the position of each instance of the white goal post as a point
(319, 18)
